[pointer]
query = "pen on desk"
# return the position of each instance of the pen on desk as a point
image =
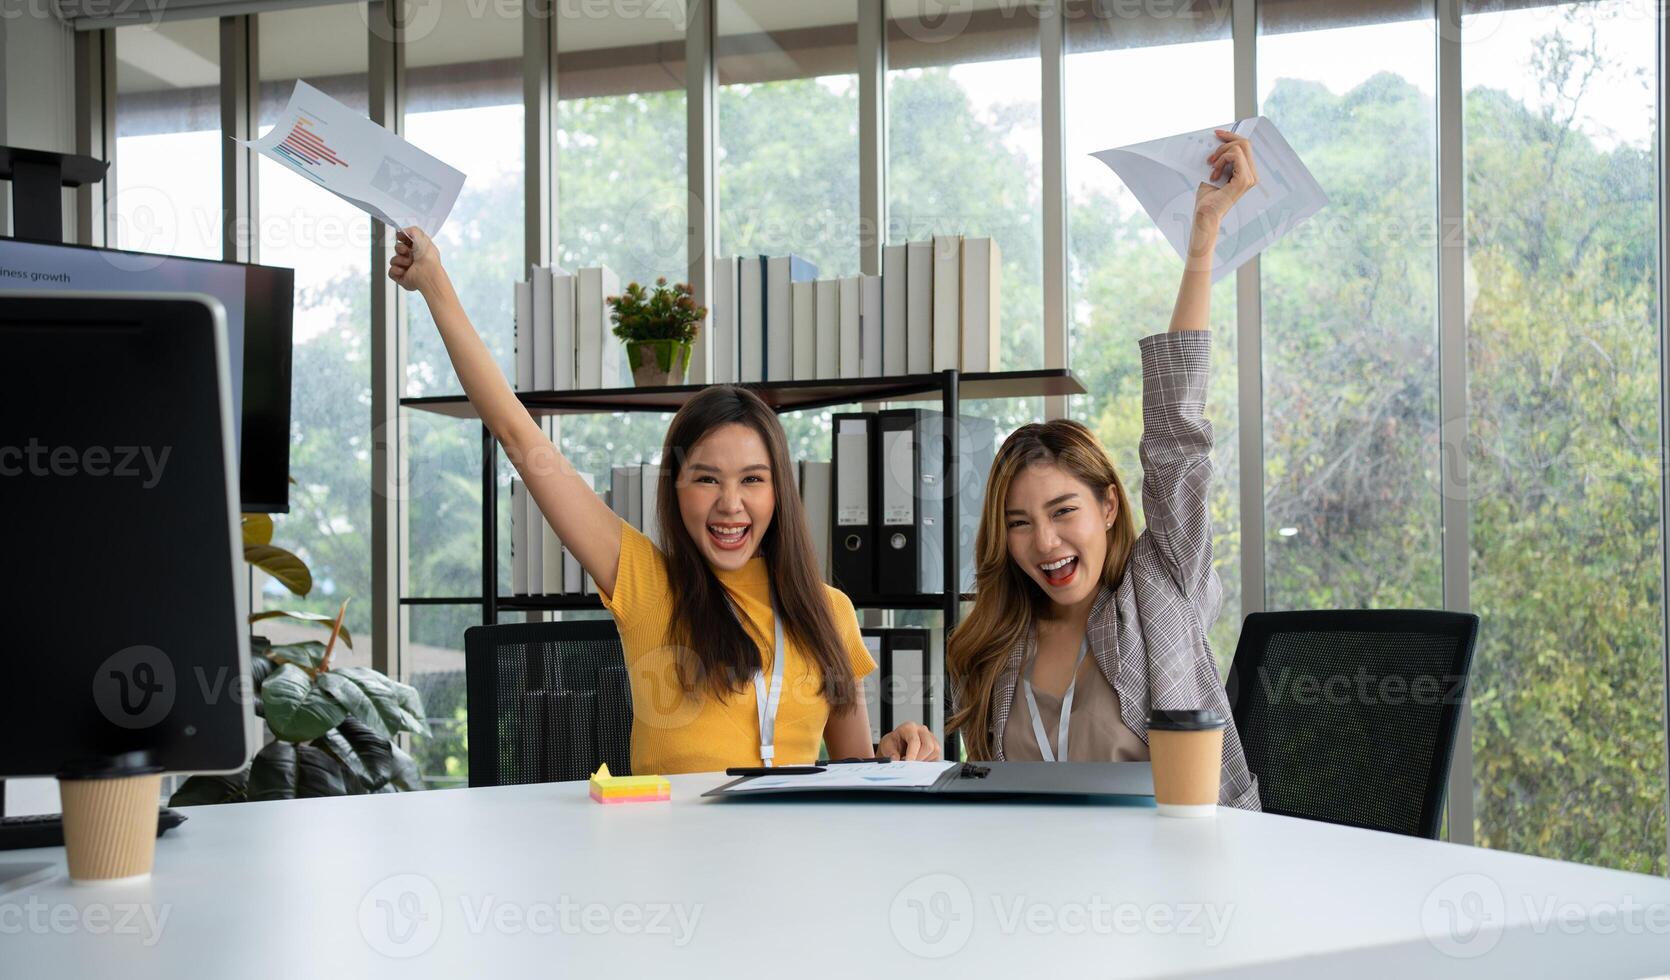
(773, 770)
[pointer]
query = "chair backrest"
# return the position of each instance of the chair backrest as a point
(547, 702)
(1350, 716)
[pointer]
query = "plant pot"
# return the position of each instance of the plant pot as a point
(658, 362)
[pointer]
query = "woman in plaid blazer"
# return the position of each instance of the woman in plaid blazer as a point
(1062, 577)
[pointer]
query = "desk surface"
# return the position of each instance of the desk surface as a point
(540, 881)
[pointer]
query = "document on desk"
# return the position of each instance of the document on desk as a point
(360, 162)
(1165, 173)
(859, 775)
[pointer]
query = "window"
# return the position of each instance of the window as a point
(965, 149)
(328, 242)
(1349, 313)
(1122, 275)
(787, 156)
(167, 173)
(1564, 416)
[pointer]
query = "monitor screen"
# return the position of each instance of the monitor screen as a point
(259, 302)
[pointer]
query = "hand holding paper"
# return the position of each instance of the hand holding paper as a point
(360, 162)
(1166, 174)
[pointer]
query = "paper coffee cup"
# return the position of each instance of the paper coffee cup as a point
(1185, 749)
(110, 809)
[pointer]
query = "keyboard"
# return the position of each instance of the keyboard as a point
(47, 829)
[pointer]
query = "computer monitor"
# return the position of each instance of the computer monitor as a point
(125, 623)
(260, 305)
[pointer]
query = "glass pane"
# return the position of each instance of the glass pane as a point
(621, 176)
(1566, 473)
(464, 105)
(1122, 274)
(167, 170)
(328, 243)
(434, 659)
(1350, 323)
(787, 157)
(965, 149)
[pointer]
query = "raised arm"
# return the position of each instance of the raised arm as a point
(589, 528)
(1176, 446)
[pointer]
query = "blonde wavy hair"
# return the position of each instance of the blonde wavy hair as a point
(1007, 600)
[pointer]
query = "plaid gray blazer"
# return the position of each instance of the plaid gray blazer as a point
(1148, 636)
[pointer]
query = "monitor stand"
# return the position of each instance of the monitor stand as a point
(36, 176)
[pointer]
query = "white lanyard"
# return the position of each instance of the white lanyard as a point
(1066, 707)
(767, 704)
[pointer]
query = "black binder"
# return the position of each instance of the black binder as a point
(1115, 783)
(852, 512)
(910, 549)
(907, 684)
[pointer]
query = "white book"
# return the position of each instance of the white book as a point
(721, 328)
(805, 313)
(779, 320)
(948, 276)
(573, 576)
(598, 360)
(982, 274)
(828, 329)
(518, 530)
(551, 555)
(523, 293)
(872, 688)
(626, 494)
(894, 288)
(816, 493)
(562, 329)
(648, 487)
(534, 543)
(852, 314)
(541, 327)
(870, 320)
(750, 318)
(919, 308)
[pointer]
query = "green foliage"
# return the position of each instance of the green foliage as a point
(661, 313)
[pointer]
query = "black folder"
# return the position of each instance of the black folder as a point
(852, 512)
(1117, 783)
(907, 689)
(910, 549)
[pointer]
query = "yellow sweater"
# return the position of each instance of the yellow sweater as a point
(673, 731)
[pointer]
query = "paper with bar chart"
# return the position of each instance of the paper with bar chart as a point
(360, 162)
(1164, 174)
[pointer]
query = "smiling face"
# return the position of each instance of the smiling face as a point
(725, 494)
(1058, 531)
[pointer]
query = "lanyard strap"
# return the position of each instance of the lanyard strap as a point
(1065, 723)
(766, 704)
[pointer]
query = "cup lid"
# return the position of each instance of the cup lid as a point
(1185, 720)
(139, 762)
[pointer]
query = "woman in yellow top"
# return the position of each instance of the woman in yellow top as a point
(1081, 626)
(738, 653)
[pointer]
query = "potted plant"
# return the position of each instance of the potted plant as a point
(658, 327)
(333, 727)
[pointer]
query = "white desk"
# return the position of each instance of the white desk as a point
(540, 881)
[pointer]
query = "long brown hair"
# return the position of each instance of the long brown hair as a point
(1007, 600)
(727, 652)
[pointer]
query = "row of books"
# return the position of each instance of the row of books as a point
(876, 511)
(935, 306)
(563, 338)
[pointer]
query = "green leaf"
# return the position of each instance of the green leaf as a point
(305, 617)
(406, 776)
(353, 698)
(295, 709)
(290, 571)
(260, 668)
(258, 529)
(399, 704)
(286, 771)
(214, 788)
(360, 749)
(308, 653)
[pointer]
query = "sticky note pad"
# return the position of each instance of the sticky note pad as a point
(628, 789)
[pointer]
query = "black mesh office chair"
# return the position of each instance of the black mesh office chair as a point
(547, 702)
(1349, 716)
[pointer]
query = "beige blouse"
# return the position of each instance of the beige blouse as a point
(1097, 734)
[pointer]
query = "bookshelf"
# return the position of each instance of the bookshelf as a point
(950, 388)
